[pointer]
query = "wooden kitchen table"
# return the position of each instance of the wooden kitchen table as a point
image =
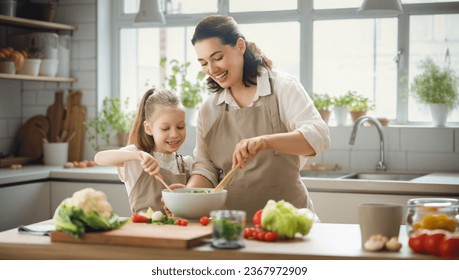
(325, 241)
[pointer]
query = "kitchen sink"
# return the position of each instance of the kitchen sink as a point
(323, 174)
(382, 176)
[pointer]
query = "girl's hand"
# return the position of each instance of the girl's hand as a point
(149, 163)
(247, 149)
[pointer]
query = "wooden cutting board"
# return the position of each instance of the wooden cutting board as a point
(55, 114)
(74, 125)
(145, 235)
(29, 140)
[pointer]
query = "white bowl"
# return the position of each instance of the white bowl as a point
(7, 67)
(185, 204)
(31, 67)
(48, 67)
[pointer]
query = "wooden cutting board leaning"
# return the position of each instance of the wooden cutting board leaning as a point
(56, 113)
(145, 235)
(29, 140)
(75, 118)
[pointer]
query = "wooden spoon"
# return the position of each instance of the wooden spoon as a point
(164, 183)
(224, 182)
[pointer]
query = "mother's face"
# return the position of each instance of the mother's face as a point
(223, 63)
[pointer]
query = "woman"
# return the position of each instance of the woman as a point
(258, 118)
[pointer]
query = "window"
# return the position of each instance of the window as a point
(360, 59)
(325, 43)
(432, 36)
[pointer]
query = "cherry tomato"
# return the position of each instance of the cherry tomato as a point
(449, 247)
(247, 233)
(261, 235)
(182, 222)
(271, 236)
(416, 242)
(204, 220)
(136, 218)
(257, 217)
(432, 241)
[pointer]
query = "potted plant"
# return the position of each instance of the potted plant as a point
(341, 106)
(115, 117)
(360, 105)
(322, 102)
(436, 87)
(190, 91)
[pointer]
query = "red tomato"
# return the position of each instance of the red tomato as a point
(261, 235)
(416, 242)
(247, 233)
(136, 218)
(449, 247)
(432, 241)
(204, 220)
(271, 236)
(182, 222)
(257, 217)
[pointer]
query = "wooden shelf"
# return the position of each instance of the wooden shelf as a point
(37, 78)
(37, 24)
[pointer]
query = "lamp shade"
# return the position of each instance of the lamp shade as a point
(149, 12)
(380, 7)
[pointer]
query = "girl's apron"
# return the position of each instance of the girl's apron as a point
(147, 191)
(270, 174)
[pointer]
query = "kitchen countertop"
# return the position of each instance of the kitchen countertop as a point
(325, 241)
(437, 183)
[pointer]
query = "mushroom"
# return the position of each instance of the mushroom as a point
(375, 243)
(393, 244)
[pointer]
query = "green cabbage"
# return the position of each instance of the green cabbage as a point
(285, 219)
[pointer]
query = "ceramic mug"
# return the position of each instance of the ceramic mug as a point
(379, 218)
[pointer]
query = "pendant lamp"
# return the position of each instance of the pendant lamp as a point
(149, 12)
(381, 7)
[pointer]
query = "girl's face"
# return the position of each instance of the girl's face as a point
(223, 63)
(167, 126)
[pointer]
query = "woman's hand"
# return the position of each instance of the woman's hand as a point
(247, 149)
(149, 163)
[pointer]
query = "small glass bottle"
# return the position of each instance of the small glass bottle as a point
(432, 213)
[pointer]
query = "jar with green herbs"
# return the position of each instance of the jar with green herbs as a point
(228, 228)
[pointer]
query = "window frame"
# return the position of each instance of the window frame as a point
(306, 16)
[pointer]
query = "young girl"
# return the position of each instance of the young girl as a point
(158, 132)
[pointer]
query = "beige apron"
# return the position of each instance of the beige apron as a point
(147, 190)
(269, 175)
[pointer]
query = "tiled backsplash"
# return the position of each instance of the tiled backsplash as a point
(406, 148)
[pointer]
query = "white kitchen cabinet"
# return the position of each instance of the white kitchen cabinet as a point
(342, 207)
(116, 194)
(24, 204)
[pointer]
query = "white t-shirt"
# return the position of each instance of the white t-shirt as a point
(131, 170)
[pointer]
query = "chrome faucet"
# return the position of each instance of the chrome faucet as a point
(381, 166)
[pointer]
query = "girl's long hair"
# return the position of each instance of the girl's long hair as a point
(152, 100)
(227, 30)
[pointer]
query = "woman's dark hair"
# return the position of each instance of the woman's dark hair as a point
(152, 100)
(227, 30)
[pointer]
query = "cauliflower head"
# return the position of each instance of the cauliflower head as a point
(91, 200)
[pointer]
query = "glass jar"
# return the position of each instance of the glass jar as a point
(228, 226)
(432, 213)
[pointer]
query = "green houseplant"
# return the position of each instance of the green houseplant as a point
(114, 117)
(437, 87)
(323, 103)
(359, 106)
(190, 91)
(341, 107)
